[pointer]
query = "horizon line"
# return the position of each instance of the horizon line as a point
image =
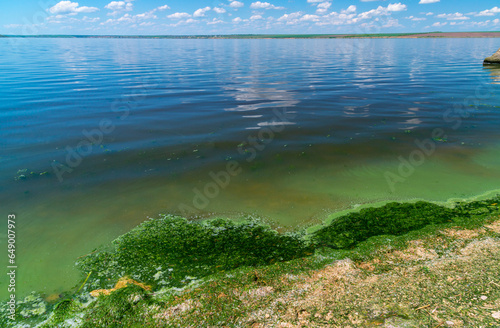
(248, 35)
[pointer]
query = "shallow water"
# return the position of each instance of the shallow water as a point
(99, 134)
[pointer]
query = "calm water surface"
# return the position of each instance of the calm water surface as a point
(99, 134)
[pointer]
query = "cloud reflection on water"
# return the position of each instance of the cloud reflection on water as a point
(262, 98)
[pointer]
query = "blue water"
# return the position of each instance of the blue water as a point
(99, 134)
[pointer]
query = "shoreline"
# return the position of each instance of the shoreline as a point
(449, 203)
(287, 254)
(281, 36)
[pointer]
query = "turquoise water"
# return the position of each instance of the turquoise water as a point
(99, 134)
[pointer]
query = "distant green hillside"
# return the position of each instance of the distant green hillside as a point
(434, 34)
(232, 36)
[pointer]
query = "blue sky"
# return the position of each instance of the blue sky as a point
(239, 17)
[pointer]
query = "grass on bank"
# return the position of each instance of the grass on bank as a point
(407, 265)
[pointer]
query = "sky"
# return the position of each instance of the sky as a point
(202, 17)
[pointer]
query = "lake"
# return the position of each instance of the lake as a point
(100, 134)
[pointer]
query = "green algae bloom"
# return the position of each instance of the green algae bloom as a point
(172, 251)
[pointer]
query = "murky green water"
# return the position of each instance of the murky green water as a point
(100, 134)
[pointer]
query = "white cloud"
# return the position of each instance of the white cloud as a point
(58, 19)
(396, 7)
(489, 12)
(323, 7)
(439, 24)
(236, 4)
(125, 18)
(215, 21)
(150, 14)
(345, 17)
(179, 16)
(319, 13)
(416, 19)
(290, 19)
(219, 10)
(119, 6)
(165, 7)
(382, 10)
(351, 9)
(147, 15)
(109, 21)
(90, 20)
(68, 7)
(184, 22)
(392, 23)
(264, 5)
(201, 12)
(455, 16)
(313, 18)
(291, 16)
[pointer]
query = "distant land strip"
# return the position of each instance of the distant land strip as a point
(281, 36)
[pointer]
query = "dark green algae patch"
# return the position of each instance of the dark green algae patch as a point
(172, 254)
(171, 251)
(390, 219)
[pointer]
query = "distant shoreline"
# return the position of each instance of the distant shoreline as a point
(281, 36)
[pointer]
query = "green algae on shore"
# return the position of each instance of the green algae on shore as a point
(194, 266)
(390, 219)
(172, 251)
